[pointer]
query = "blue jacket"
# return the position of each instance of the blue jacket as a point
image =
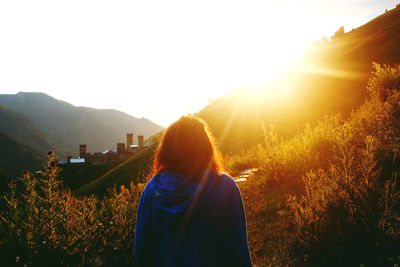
(181, 222)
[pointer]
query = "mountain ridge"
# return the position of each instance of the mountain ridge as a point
(15, 158)
(71, 125)
(331, 80)
(22, 129)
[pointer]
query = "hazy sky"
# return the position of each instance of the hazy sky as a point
(160, 59)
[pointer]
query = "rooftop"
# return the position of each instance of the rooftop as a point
(78, 160)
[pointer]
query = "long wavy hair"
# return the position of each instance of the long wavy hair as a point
(187, 147)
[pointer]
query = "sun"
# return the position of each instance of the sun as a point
(279, 91)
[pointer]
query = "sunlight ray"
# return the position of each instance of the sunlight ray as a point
(228, 125)
(333, 72)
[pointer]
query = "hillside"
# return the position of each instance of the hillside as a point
(15, 158)
(377, 40)
(24, 131)
(75, 176)
(238, 118)
(70, 126)
(134, 169)
(330, 80)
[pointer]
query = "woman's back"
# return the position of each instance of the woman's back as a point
(196, 218)
(186, 222)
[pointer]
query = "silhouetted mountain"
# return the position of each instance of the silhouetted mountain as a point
(24, 131)
(14, 157)
(70, 126)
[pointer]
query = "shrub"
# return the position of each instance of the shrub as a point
(43, 224)
(350, 212)
(330, 196)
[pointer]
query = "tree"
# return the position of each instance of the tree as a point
(339, 33)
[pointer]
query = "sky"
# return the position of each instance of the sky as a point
(161, 59)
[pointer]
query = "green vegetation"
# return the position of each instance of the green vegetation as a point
(15, 158)
(327, 196)
(135, 170)
(43, 225)
(74, 176)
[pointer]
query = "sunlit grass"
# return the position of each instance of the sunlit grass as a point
(326, 196)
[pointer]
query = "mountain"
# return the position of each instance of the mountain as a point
(24, 131)
(377, 40)
(14, 158)
(330, 80)
(70, 126)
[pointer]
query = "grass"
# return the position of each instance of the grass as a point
(134, 170)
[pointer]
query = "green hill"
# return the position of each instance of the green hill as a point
(75, 176)
(15, 158)
(135, 169)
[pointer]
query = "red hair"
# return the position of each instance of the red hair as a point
(187, 147)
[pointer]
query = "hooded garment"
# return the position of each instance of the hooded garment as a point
(183, 222)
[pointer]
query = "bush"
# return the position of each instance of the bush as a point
(43, 224)
(350, 212)
(330, 196)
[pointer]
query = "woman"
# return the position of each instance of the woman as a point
(190, 214)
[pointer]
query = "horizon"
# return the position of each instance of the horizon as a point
(175, 56)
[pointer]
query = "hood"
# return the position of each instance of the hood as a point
(174, 193)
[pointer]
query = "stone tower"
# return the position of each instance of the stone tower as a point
(140, 141)
(82, 151)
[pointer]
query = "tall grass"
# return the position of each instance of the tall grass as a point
(328, 196)
(42, 224)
